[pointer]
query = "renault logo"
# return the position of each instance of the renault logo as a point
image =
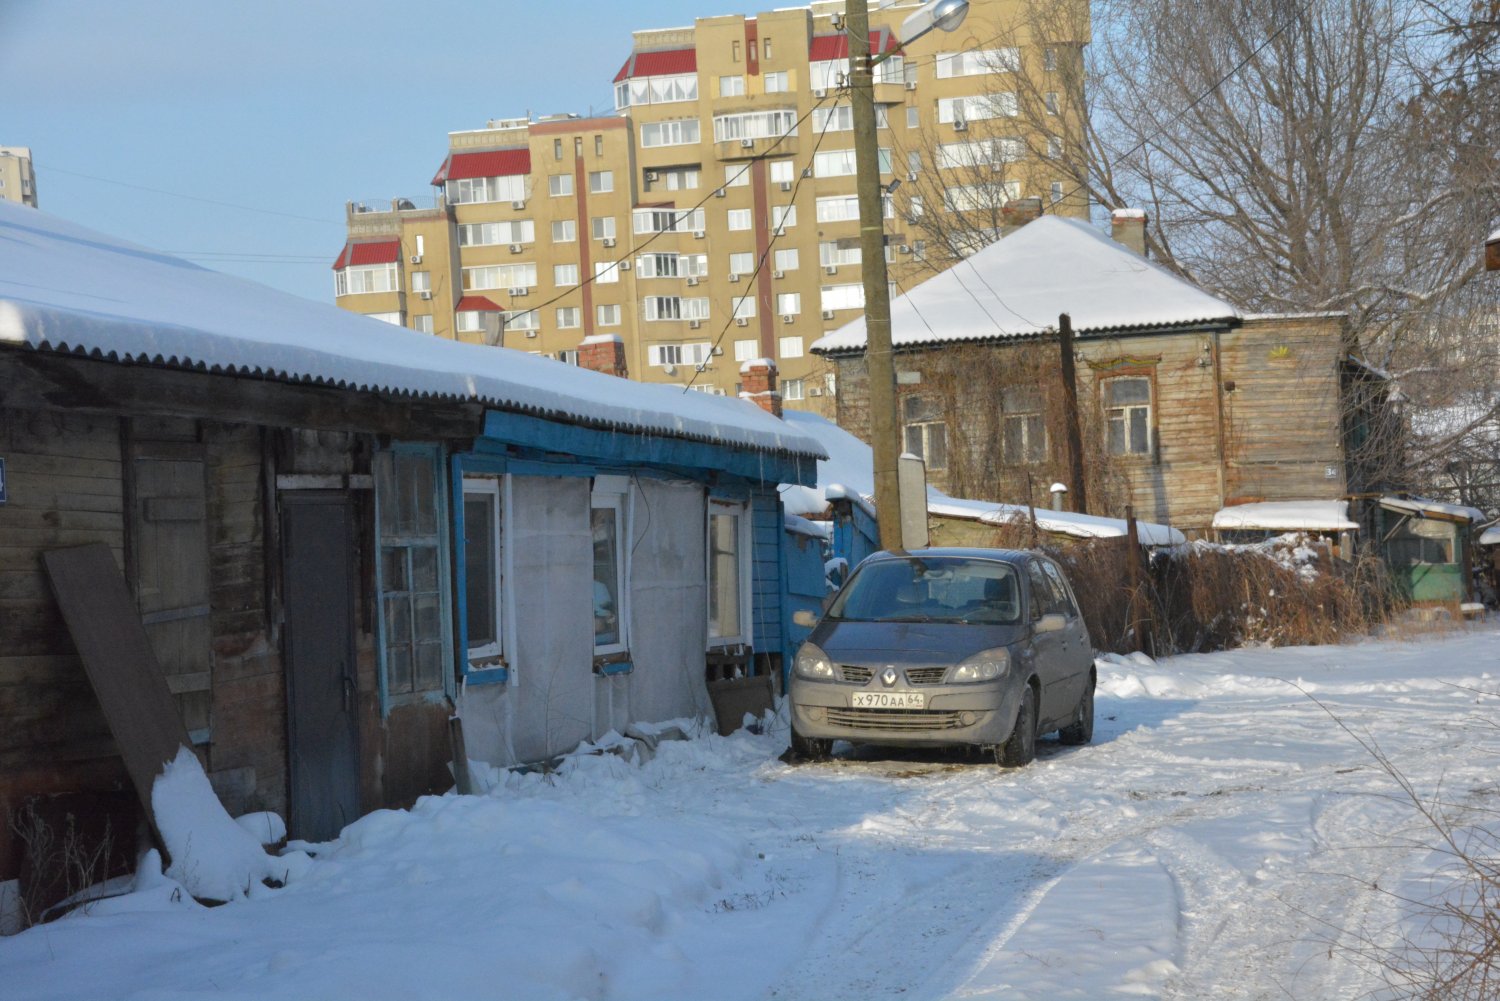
(888, 677)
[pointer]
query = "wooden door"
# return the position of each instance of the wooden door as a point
(170, 560)
(322, 721)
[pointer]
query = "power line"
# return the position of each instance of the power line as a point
(191, 198)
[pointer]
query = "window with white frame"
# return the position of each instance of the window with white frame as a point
(728, 572)
(361, 278)
(607, 315)
(469, 321)
(499, 276)
(390, 317)
(982, 153)
(667, 220)
(601, 181)
(413, 634)
(422, 324)
(782, 171)
(755, 125)
(657, 266)
(732, 86)
(569, 317)
(693, 353)
(475, 190)
(606, 272)
(789, 304)
(682, 132)
(559, 184)
(745, 350)
(840, 118)
(789, 347)
(671, 307)
(843, 296)
(831, 254)
(913, 117)
(741, 263)
(1051, 101)
(843, 208)
(744, 307)
(786, 260)
(568, 356)
(1054, 147)
(776, 83)
(484, 570)
(1056, 192)
(421, 281)
(564, 230)
(676, 179)
(485, 234)
(791, 389)
(978, 62)
(564, 274)
(520, 320)
(739, 219)
(693, 265)
(978, 107)
(783, 217)
(666, 89)
(603, 227)
(611, 597)
(1127, 407)
(1024, 430)
(926, 434)
(736, 175)
(982, 196)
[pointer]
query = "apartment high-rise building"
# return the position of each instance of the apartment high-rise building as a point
(712, 220)
(17, 182)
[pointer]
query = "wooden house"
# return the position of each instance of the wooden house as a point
(1186, 405)
(338, 534)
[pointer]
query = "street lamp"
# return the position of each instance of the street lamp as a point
(880, 363)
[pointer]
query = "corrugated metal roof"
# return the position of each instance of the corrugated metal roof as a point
(826, 48)
(484, 163)
(662, 62)
(368, 252)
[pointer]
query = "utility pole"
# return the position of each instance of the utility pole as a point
(1070, 411)
(879, 358)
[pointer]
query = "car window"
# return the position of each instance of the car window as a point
(930, 590)
(1041, 590)
(1065, 603)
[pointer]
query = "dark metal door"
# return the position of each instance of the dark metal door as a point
(322, 720)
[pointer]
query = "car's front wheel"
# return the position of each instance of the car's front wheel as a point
(1020, 749)
(1081, 730)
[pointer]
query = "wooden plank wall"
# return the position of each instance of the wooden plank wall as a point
(64, 474)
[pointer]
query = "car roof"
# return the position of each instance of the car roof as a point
(1016, 556)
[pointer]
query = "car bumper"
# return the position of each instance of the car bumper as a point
(954, 714)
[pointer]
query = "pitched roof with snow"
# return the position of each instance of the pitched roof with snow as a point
(849, 471)
(70, 290)
(1016, 287)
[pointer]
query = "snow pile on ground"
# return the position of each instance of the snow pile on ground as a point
(1222, 836)
(213, 857)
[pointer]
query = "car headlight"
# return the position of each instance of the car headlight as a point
(813, 663)
(985, 666)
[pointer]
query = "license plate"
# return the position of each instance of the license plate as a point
(889, 700)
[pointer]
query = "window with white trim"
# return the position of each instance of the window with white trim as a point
(776, 83)
(978, 107)
(1050, 99)
(1055, 192)
(791, 389)
(926, 434)
(469, 321)
(745, 350)
(666, 89)
(741, 263)
(611, 596)
(744, 307)
(755, 125)
(667, 220)
(983, 196)
(671, 307)
(362, 278)
(421, 281)
(569, 317)
(786, 260)
(559, 185)
(789, 347)
(422, 324)
(606, 272)
(682, 132)
(843, 296)
(840, 118)
(736, 175)
(484, 571)
(782, 171)
(789, 304)
(783, 217)
(728, 572)
(393, 317)
(676, 179)
(657, 266)
(1127, 408)
(499, 276)
(981, 153)
(739, 219)
(601, 181)
(603, 227)
(520, 320)
(831, 254)
(476, 190)
(486, 234)
(732, 86)
(693, 353)
(564, 230)
(978, 62)
(607, 315)
(1023, 438)
(564, 274)
(843, 208)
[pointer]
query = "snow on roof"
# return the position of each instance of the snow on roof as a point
(849, 471)
(1428, 508)
(1017, 287)
(1288, 516)
(71, 290)
(1490, 536)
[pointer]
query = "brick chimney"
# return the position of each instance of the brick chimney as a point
(1128, 227)
(603, 353)
(1019, 211)
(758, 385)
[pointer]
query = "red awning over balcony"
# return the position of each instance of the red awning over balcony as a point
(368, 252)
(477, 304)
(664, 62)
(826, 48)
(485, 163)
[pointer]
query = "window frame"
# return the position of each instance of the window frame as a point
(495, 488)
(612, 493)
(1107, 409)
(741, 511)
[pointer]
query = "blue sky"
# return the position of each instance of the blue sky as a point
(152, 120)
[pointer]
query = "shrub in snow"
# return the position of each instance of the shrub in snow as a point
(213, 857)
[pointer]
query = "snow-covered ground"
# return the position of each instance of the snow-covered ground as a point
(1223, 837)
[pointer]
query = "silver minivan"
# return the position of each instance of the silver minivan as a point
(937, 647)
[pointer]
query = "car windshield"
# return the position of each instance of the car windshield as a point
(949, 589)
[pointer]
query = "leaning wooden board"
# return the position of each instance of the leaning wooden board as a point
(106, 628)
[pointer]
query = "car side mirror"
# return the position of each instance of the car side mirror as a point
(804, 618)
(1052, 622)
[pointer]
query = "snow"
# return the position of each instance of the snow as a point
(1288, 516)
(213, 857)
(849, 472)
(68, 289)
(1018, 286)
(1222, 837)
(1490, 536)
(1421, 506)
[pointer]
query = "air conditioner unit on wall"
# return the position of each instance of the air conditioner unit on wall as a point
(740, 321)
(814, 391)
(426, 293)
(651, 175)
(832, 269)
(911, 85)
(624, 265)
(747, 144)
(698, 234)
(515, 248)
(695, 324)
(778, 274)
(786, 185)
(733, 277)
(692, 280)
(720, 193)
(788, 318)
(827, 314)
(820, 94)
(518, 205)
(416, 258)
(960, 126)
(519, 290)
(609, 241)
